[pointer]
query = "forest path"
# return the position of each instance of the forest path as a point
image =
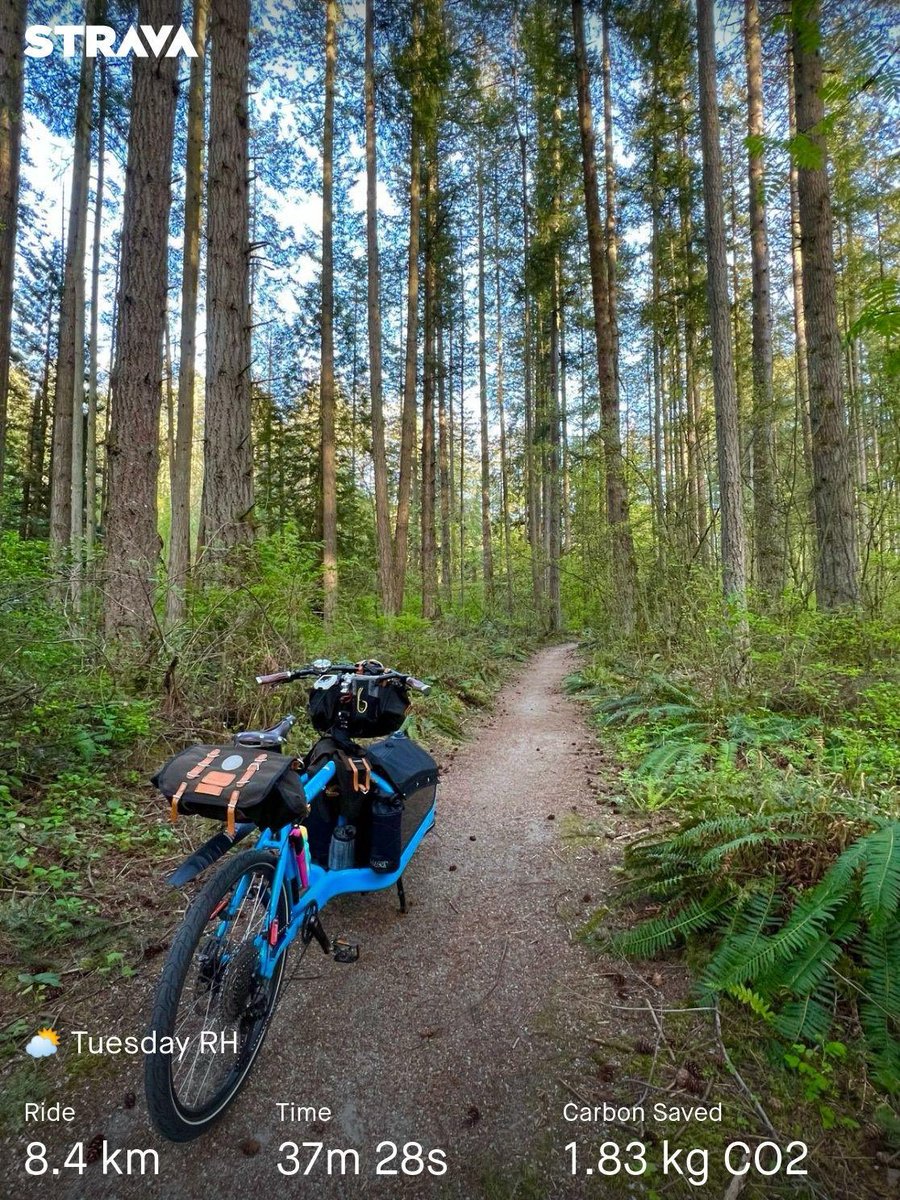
(467, 1024)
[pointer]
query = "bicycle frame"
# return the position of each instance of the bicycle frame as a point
(323, 886)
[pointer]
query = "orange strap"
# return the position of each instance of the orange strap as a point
(362, 774)
(173, 813)
(192, 774)
(201, 766)
(235, 795)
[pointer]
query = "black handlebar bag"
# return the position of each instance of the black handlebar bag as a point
(369, 708)
(229, 783)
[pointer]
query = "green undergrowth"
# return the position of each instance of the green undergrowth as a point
(773, 861)
(83, 722)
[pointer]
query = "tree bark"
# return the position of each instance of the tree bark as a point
(132, 542)
(724, 380)
(427, 511)
(180, 533)
(769, 555)
(530, 489)
(12, 35)
(623, 560)
(408, 419)
(612, 244)
(462, 426)
(227, 502)
(382, 506)
(33, 486)
(487, 557)
(698, 521)
(837, 561)
(801, 371)
(70, 353)
(90, 456)
(445, 458)
(326, 386)
(501, 407)
(553, 456)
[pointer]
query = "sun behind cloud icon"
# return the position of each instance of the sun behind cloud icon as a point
(43, 1044)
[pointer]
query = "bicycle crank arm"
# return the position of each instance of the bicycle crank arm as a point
(207, 854)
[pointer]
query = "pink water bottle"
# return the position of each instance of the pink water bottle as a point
(302, 852)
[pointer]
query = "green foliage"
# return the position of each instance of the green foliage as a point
(795, 942)
(84, 724)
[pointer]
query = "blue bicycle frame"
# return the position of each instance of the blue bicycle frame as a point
(324, 885)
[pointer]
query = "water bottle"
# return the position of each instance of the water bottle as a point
(300, 842)
(387, 830)
(342, 851)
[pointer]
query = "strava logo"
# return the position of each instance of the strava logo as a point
(103, 41)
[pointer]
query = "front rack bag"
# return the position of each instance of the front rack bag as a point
(226, 783)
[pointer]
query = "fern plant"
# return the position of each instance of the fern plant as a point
(800, 915)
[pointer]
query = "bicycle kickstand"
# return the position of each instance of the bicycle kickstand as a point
(401, 895)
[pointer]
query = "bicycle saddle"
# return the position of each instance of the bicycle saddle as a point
(266, 739)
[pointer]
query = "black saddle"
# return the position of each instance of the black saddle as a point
(267, 739)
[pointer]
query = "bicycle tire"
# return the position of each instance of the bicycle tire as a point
(170, 1117)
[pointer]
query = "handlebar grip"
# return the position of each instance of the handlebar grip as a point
(277, 677)
(419, 686)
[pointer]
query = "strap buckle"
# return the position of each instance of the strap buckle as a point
(361, 774)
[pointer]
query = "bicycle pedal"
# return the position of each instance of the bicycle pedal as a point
(343, 951)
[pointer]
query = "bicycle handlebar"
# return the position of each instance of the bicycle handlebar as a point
(342, 668)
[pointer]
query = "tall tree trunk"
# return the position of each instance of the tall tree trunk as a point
(12, 35)
(769, 557)
(111, 386)
(801, 368)
(373, 310)
(462, 426)
(445, 458)
(33, 487)
(326, 386)
(169, 387)
(566, 524)
(90, 457)
(612, 242)
(487, 556)
(656, 441)
(501, 407)
(429, 380)
(837, 562)
(623, 560)
(70, 354)
(553, 456)
(698, 521)
(530, 489)
(724, 381)
(180, 535)
(408, 419)
(856, 396)
(132, 542)
(227, 501)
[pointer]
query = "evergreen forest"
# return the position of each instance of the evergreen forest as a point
(435, 331)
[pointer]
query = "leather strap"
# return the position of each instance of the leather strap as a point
(235, 795)
(173, 813)
(192, 774)
(361, 773)
(204, 763)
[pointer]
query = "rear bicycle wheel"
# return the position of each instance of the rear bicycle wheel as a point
(211, 985)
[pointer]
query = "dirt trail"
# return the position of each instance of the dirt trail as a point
(464, 1026)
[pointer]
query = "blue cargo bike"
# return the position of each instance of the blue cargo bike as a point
(341, 819)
